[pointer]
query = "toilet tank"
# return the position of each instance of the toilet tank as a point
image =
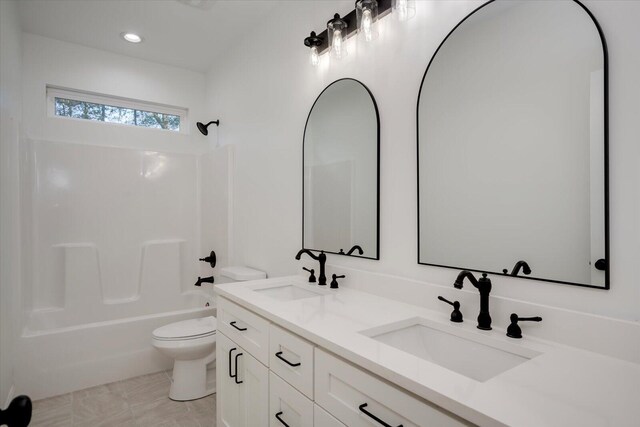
(239, 274)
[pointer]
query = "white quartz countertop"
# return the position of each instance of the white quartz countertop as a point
(563, 386)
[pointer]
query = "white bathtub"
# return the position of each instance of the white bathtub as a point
(54, 358)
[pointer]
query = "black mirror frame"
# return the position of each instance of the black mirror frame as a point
(605, 54)
(375, 107)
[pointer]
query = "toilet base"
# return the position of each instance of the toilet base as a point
(189, 380)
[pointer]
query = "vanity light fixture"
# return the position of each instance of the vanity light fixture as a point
(313, 42)
(363, 20)
(131, 37)
(367, 15)
(337, 30)
(404, 9)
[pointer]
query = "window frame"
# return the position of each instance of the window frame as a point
(53, 92)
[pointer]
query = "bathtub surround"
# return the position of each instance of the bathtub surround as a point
(116, 217)
(267, 131)
(10, 245)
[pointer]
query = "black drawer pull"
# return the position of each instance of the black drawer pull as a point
(281, 420)
(279, 356)
(230, 374)
(236, 376)
(370, 415)
(237, 327)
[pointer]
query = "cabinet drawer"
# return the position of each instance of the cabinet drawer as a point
(322, 418)
(247, 329)
(287, 406)
(359, 399)
(291, 358)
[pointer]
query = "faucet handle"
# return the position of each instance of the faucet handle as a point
(211, 259)
(514, 331)
(312, 277)
(334, 282)
(456, 314)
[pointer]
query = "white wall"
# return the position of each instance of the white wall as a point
(263, 92)
(56, 63)
(10, 118)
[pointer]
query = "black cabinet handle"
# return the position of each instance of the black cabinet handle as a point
(230, 374)
(370, 415)
(281, 420)
(601, 264)
(237, 327)
(236, 377)
(279, 356)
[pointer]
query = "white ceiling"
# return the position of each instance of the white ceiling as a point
(184, 33)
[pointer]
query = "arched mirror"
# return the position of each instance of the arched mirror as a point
(512, 145)
(341, 172)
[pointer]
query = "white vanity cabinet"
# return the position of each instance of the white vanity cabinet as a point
(268, 376)
(242, 386)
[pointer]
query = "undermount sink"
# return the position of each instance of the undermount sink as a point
(287, 292)
(459, 351)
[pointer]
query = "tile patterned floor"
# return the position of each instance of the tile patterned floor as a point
(137, 402)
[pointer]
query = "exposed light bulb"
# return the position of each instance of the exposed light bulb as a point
(314, 58)
(337, 48)
(367, 24)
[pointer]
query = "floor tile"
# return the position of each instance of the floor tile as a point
(102, 406)
(137, 402)
(52, 412)
(161, 412)
(146, 389)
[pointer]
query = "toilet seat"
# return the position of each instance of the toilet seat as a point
(186, 329)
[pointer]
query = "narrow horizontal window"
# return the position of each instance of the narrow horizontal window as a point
(101, 108)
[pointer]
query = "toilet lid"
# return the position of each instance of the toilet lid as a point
(192, 328)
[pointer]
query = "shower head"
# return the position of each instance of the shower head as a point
(203, 128)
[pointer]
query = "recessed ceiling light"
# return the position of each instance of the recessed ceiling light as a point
(131, 37)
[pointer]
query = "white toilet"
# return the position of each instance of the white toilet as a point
(191, 343)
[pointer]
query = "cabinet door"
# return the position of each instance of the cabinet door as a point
(288, 407)
(243, 386)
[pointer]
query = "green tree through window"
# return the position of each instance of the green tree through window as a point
(113, 114)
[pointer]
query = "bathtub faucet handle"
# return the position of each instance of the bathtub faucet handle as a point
(211, 259)
(202, 280)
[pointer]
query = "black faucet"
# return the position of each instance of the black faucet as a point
(334, 282)
(312, 272)
(516, 269)
(321, 258)
(514, 331)
(202, 280)
(353, 249)
(484, 286)
(456, 314)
